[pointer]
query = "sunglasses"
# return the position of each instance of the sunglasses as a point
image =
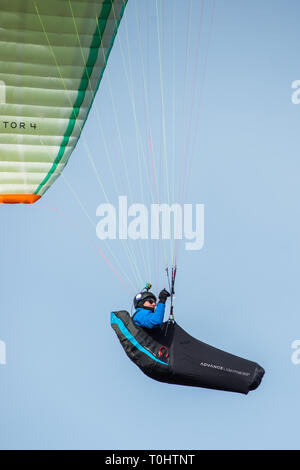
(151, 301)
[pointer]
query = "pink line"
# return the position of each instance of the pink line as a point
(74, 227)
(201, 94)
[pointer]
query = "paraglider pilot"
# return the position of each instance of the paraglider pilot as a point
(149, 314)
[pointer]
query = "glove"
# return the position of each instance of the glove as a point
(164, 294)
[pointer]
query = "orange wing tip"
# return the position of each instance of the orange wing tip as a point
(19, 198)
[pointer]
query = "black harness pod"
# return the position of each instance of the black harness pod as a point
(169, 354)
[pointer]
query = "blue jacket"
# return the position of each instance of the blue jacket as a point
(147, 319)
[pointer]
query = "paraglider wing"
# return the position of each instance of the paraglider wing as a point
(52, 58)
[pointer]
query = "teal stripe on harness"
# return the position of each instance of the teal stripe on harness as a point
(116, 321)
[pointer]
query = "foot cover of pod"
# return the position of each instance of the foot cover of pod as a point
(169, 354)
